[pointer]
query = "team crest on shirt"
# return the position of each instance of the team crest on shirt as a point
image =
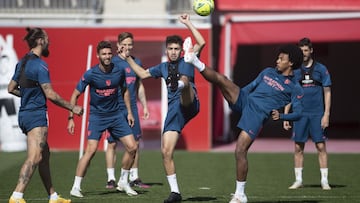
(108, 82)
(128, 70)
(287, 81)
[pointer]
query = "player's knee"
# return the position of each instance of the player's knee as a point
(299, 152)
(240, 152)
(166, 153)
(90, 151)
(33, 161)
(132, 149)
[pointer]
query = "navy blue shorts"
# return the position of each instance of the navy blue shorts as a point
(252, 120)
(178, 115)
(308, 126)
(117, 126)
(136, 129)
(29, 120)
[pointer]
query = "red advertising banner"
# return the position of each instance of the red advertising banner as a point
(288, 5)
(67, 62)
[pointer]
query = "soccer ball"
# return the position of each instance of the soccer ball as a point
(203, 7)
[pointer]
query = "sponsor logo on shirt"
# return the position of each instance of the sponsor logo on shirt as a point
(130, 80)
(273, 83)
(106, 92)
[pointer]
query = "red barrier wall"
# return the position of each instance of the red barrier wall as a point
(67, 62)
(288, 5)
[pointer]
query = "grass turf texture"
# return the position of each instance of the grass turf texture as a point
(202, 177)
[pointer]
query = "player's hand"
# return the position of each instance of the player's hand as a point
(275, 114)
(131, 120)
(184, 18)
(124, 51)
(78, 110)
(286, 125)
(71, 126)
(146, 114)
(325, 121)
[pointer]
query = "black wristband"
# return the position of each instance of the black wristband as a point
(70, 117)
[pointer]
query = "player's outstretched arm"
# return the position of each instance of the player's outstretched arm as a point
(73, 101)
(58, 100)
(141, 72)
(200, 41)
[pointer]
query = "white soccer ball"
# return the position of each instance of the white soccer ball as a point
(203, 7)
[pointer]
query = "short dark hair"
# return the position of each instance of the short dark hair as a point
(32, 35)
(125, 35)
(305, 42)
(295, 54)
(176, 39)
(103, 45)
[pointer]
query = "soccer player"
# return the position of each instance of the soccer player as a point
(104, 80)
(272, 89)
(31, 82)
(136, 90)
(315, 81)
(183, 103)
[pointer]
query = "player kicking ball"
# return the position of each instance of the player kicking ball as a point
(258, 101)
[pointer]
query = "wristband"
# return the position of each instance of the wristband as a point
(70, 117)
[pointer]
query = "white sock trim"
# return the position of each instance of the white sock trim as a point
(133, 174)
(77, 182)
(181, 84)
(198, 64)
(18, 195)
(240, 187)
(324, 174)
(124, 176)
(298, 174)
(54, 196)
(111, 173)
(173, 183)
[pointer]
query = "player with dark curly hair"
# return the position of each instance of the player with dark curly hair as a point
(271, 90)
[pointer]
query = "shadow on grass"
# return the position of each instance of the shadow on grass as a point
(153, 184)
(199, 199)
(287, 201)
(319, 186)
(123, 192)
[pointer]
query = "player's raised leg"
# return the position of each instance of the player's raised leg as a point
(229, 90)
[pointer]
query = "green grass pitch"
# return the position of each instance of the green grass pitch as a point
(202, 177)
